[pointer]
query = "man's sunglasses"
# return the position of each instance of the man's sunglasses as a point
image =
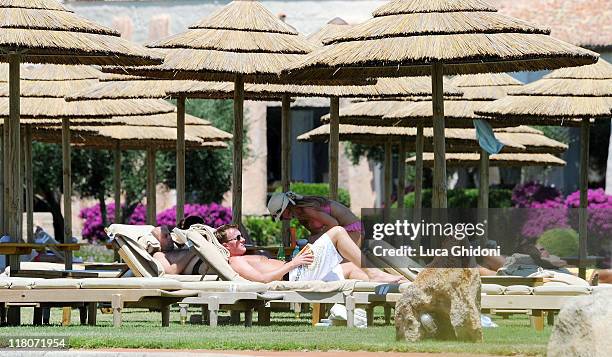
(238, 238)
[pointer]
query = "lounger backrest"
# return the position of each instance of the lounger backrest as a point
(125, 239)
(140, 262)
(201, 239)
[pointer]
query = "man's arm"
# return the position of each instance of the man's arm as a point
(174, 262)
(246, 270)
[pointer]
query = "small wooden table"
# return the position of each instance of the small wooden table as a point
(15, 250)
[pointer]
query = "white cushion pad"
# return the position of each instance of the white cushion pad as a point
(225, 286)
(518, 290)
(568, 290)
(130, 283)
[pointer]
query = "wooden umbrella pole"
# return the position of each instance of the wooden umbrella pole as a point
(180, 159)
(584, 196)
(67, 179)
(286, 158)
(12, 156)
(401, 176)
(238, 140)
(483, 196)
(483, 189)
(334, 146)
(418, 179)
(439, 199)
(151, 188)
(2, 231)
(29, 184)
(117, 181)
(388, 177)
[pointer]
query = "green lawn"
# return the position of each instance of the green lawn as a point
(141, 329)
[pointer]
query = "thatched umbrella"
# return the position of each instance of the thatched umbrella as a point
(424, 37)
(241, 42)
(563, 97)
(478, 89)
(117, 137)
(43, 31)
(42, 98)
(497, 160)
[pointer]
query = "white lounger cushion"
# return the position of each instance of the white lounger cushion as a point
(493, 289)
(131, 283)
(346, 286)
(21, 283)
(191, 278)
(225, 286)
(562, 290)
(131, 231)
(4, 283)
(57, 284)
(518, 290)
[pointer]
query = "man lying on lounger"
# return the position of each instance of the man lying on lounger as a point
(174, 261)
(323, 261)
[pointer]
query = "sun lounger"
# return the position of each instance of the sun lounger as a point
(348, 292)
(158, 293)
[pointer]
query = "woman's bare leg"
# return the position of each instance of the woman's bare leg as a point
(356, 237)
(349, 251)
(352, 271)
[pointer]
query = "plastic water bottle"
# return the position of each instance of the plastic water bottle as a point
(281, 252)
(429, 324)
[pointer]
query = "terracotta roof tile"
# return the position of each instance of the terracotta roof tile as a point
(584, 23)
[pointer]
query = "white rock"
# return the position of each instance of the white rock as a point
(584, 327)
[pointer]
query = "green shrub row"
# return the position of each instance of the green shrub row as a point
(465, 198)
(264, 231)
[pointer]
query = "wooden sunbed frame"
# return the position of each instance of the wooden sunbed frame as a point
(119, 299)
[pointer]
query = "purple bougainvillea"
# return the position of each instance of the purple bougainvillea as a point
(525, 195)
(214, 215)
(599, 212)
(563, 213)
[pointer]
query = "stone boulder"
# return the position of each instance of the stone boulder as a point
(584, 327)
(442, 303)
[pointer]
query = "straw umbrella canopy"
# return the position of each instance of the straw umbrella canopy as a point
(497, 160)
(563, 97)
(241, 42)
(423, 37)
(256, 37)
(460, 140)
(166, 123)
(130, 137)
(42, 91)
(478, 89)
(43, 31)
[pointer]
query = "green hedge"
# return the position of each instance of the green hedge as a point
(465, 198)
(264, 231)
(319, 189)
(560, 242)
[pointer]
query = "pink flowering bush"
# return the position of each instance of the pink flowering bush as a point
(214, 214)
(93, 227)
(563, 213)
(525, 195)
(599, 213)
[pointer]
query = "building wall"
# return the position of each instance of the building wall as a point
(305, 16)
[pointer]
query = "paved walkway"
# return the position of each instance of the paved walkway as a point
(206, 353)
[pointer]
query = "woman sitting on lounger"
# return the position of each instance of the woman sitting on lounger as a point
(317, 214)
(323, 261)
